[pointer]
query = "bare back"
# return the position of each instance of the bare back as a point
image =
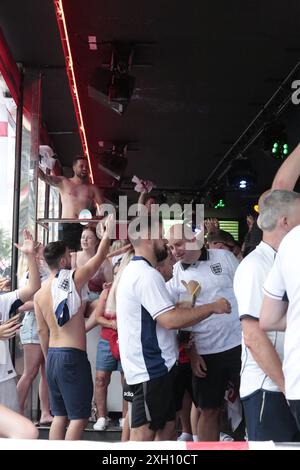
(70, 335)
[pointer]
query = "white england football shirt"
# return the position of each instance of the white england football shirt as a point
(9, 302)
(215, 274)
(147, 350)
(248, 282)
(284, 279)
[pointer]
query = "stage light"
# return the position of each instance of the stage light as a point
(275, 140)
(217, 198)
(241, 174)
(220, 204)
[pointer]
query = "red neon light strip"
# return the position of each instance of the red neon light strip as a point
(60, 16)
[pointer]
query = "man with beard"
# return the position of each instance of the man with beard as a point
(146, 316)
(76, 194)
(59, 307)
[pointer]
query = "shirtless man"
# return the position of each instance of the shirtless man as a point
(76, 194)
(59, 308)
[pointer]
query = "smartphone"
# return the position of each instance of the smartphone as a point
(18, 317)
(21, 316)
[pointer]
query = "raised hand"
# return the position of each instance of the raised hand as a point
(28, 244)
(222, 306)
(4, 284)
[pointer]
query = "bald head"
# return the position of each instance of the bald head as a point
(183, 243)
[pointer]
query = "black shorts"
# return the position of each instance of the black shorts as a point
(153, 402)
(127, 393)
(70, 234)
(183, 382)
(222, 368)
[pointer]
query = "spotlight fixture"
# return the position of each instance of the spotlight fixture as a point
(114, 86)
(241, 174)
(113, 160)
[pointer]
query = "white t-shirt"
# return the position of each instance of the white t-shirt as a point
(284, 279)
(215, 275)
(248, 282)
(9, 302)
(147, 350)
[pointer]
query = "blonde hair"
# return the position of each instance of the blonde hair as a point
(117, 245)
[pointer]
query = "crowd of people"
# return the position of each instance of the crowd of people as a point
(184, 322)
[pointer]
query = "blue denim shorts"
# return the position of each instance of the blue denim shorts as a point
(28, 330)
(105, 361)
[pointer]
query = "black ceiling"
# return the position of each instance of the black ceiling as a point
(211, 67)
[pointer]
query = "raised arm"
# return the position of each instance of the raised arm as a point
(86, 272)
(289, 172)
(49, 179)
(27, 292)
(142, 197)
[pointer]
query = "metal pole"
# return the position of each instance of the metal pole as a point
(16, 200)
(36, 92)
(17, 186)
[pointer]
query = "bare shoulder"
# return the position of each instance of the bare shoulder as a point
(41, 293)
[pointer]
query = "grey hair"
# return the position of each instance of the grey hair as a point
(278, 203)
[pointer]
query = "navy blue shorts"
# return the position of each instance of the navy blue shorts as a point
(268, 417)
(70, 383)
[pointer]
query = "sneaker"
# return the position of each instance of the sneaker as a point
(185, 437)
(225, 437)
(101, 424)
(121, 422)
